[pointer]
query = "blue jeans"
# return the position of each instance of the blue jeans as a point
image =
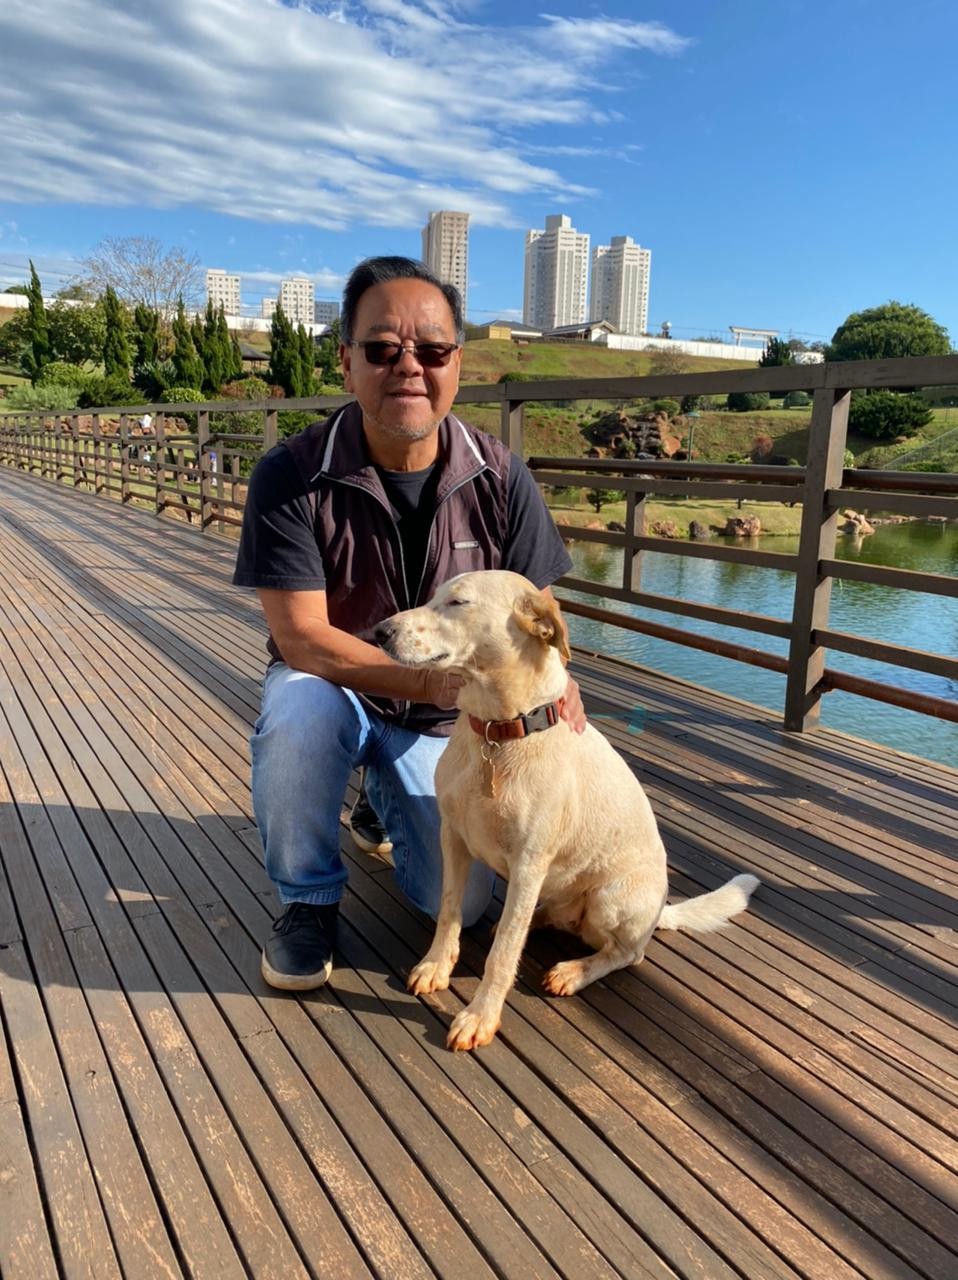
(309, 737)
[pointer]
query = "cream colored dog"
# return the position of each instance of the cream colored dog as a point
(560, 815)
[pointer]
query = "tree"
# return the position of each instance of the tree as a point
(14, 339)
(884, 414)
(599, 497)
(667, 361)
(116, 347)
(217, 356)
(884, 333)
(306, 376)
(283, 352)
(327, 356)
(776, 353)
(77, 333)
(146, 336)
(38, 351)
(186, 361)
(139, 269)
(22, 289)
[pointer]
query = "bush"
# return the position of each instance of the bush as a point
(251, 388)
(100, 391)
(666, 406)
(60, 373)
(797, 400)
(182, 395)
(883, 414)
(57, 396)
(747, 401)
(691, 404)
(153, 377)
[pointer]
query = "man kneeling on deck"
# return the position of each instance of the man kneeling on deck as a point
(362, 515)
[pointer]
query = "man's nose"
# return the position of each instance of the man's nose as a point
(384, 632)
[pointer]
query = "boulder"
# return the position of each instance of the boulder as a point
(699, 532)
(855, 523)
(615, 526)
(742, 527)
(664, 529)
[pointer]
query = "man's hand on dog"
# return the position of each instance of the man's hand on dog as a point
(572, 709)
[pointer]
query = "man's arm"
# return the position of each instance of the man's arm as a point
(300, 626)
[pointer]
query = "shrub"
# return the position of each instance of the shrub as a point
(797, 400)
(62, 374)
(691, 404)
(747, 401)
(45, 395)
(100, 391)
(666, 406)
(883, 414)
(251, 388)
(182, 395)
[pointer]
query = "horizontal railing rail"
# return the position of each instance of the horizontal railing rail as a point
(199, 471)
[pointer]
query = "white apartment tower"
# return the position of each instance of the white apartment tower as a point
(557, 269)
(445, 248)
(223, 289)
(296, 299)
(620, 285)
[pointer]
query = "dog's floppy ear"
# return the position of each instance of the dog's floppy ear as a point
(539, 615)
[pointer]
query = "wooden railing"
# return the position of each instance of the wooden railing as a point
(200, 472)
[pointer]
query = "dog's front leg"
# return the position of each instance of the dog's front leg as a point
(434, 969)
(479, 1021)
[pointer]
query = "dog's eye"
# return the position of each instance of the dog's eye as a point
(456, 603)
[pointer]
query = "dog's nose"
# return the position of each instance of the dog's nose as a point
(384, 632)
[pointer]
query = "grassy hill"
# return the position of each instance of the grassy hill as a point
(557, 431)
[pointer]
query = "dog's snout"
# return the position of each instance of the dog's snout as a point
(383, 632)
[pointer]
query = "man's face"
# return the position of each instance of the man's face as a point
(407, 400)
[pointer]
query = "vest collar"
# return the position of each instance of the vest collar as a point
(345, 456)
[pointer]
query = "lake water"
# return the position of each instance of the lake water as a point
(917, 620)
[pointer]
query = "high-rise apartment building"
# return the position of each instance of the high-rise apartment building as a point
(445, 248)
(620, 285)
(325, 312)
(223, 289)
(557, 271)
(296, 299)
(266, 307)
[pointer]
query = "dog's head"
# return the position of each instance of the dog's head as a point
(476, 622)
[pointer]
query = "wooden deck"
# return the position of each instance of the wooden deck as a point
(778, 1100)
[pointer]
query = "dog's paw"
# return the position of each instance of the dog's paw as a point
(470, 1030)
(429, 975)
(564, 979)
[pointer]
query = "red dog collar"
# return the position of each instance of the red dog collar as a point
(534, 721)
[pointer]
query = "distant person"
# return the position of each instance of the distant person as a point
(359, 516)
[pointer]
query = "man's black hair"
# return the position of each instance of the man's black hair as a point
(378, 271)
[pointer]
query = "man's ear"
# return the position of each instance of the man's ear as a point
(345, 362)
(539, 616)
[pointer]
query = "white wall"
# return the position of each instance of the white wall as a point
(714, 350)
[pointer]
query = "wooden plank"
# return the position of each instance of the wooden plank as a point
(25, 1248)
(83, 1244)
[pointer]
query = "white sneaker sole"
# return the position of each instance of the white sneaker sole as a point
(295, 981)
(381, 850)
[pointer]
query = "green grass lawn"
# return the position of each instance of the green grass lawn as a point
(776, 517)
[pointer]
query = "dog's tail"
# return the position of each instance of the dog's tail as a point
(709, 911)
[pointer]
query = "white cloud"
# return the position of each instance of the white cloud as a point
(323, 115)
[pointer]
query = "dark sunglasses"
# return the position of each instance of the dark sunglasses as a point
(429, 354)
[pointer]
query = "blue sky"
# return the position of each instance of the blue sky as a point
(786, 162)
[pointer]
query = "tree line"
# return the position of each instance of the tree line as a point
(95, 345)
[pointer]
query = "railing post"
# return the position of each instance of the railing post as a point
(634, 528)
(99, 482)
(124, 425)
(270, 429)
(813, 590)
(159, 474)
(510, 428)
(202, 458)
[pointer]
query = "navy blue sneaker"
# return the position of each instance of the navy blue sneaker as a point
(366, 829)
(298, 955)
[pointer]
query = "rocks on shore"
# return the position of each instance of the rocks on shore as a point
(742, 527)
(855, 523)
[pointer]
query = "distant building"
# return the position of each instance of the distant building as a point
(620, 284)
(445, 248)
(223, 290)
(325, 312)
(507, 330)
(266, 308)
(556, 273)
(296, 299)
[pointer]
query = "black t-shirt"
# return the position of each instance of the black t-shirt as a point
(278, 546)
